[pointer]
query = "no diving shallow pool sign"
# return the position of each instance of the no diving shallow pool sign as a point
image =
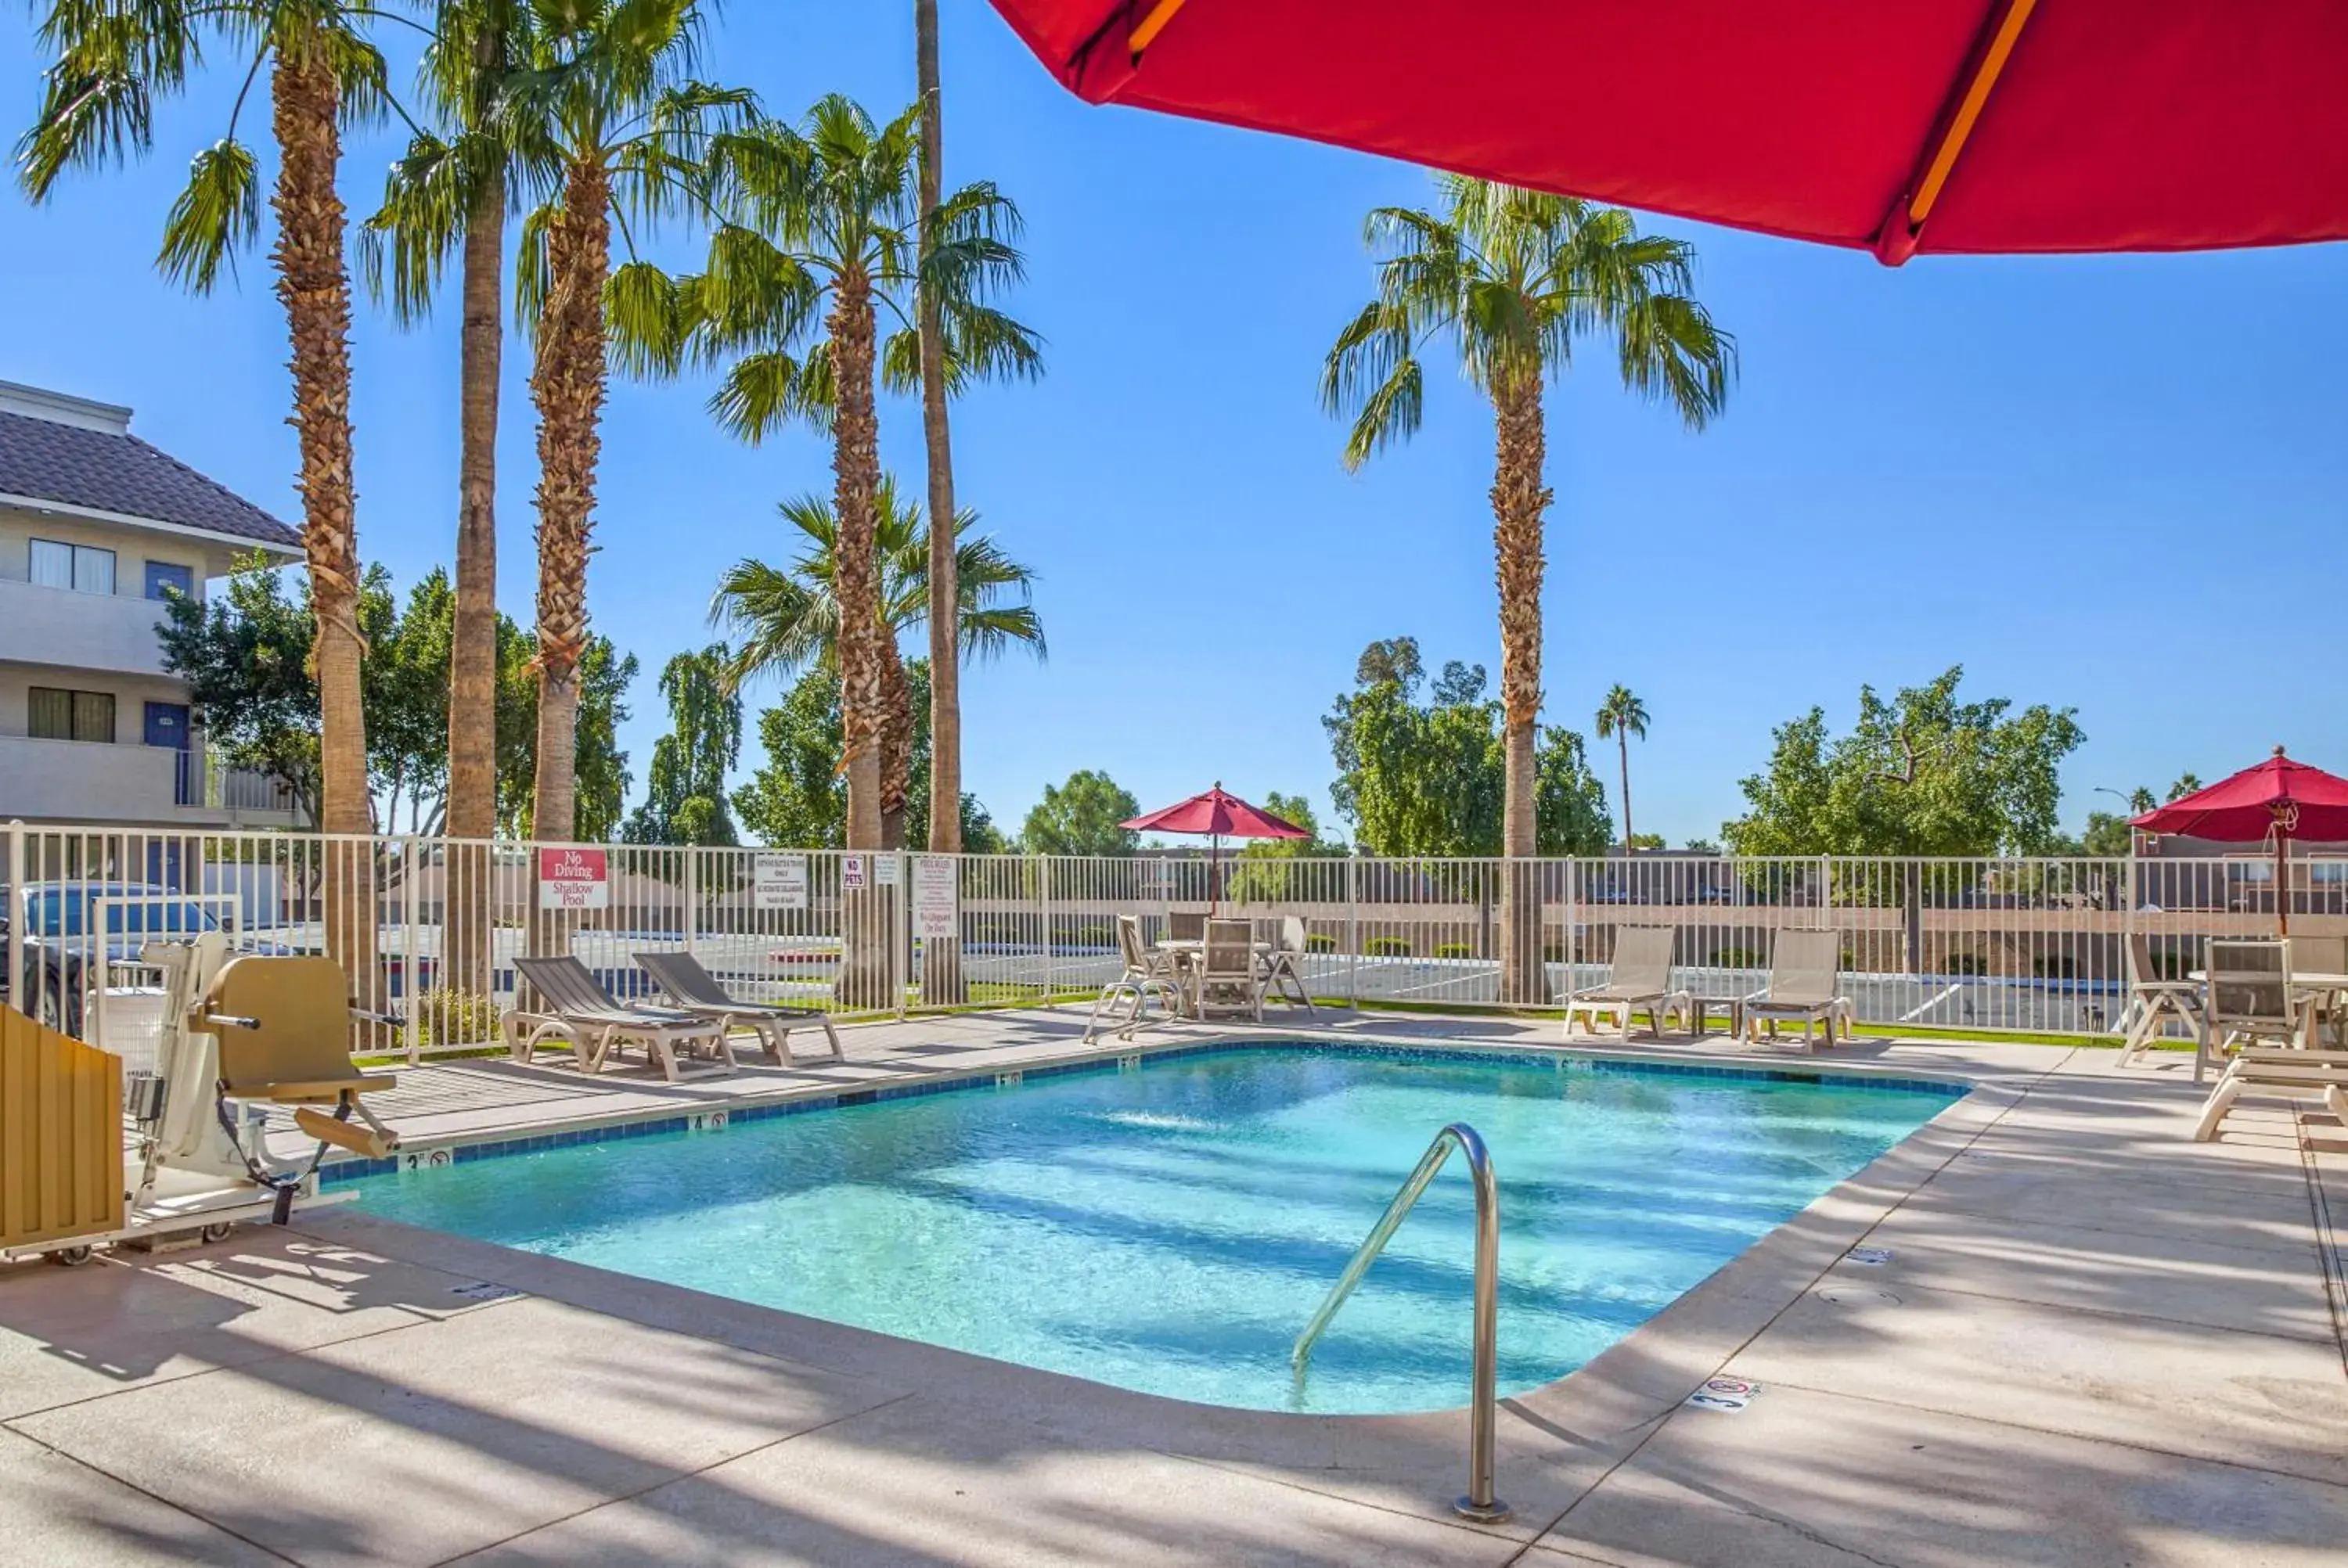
(1728, 1394)
(575, 879)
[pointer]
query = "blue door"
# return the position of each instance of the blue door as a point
(167, 725)
(161, 575)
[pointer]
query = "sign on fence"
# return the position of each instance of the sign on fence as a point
(575, 879)
(778, 881)
(852, 873)
(937, 887)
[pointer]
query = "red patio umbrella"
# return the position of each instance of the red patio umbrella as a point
(1221, 814)
(2279, 799)
(1897, 126)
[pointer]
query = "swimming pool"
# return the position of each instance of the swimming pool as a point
(1170, 1226)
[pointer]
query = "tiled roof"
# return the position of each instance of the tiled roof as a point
(43, 460)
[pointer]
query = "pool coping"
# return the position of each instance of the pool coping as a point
(1556, 1442)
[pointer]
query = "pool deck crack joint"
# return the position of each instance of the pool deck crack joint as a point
(77, 1460)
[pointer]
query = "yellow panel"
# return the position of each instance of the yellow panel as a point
(60, 1135)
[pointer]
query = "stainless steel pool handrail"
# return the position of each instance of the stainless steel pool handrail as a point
(1483, 1392)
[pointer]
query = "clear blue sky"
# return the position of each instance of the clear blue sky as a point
(2115, 484)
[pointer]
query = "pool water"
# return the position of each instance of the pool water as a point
(1170, 1228)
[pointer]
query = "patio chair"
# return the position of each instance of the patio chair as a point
(2324, 956)
(1283, 973)
(1146, 975)
(694, 989)
(1805, 983)
(582, 1014)
(1640, 977)
(1186, 926)
(2250, 997)
(2154, 998)
(2262, 1070)
(1228, 979)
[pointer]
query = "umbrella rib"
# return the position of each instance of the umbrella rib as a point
(1905, 223)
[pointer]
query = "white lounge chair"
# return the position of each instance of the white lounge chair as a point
(2251, 996)
(1229, 979)
(1805, 983)
(1147, 974)
(578, 1013)
(2265, 1070)
(1283, 973)
(1640, 977)
(2153, 999)
(694, 989)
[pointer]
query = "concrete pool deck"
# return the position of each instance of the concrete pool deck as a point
(2093, 1342)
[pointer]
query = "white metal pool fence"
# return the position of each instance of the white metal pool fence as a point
(2037, 943)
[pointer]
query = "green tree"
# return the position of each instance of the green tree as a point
(406, 689)
(684, 788)
(1924, 774)
(1264, 868)
(2186, 783)
(1620, 717)
(244, 656)
(2108, 835)
(787, 618)
(799, 799)
(599, 766)
(1429, 777)
(606, 124)
(1513, 279)
(824, 240)
(1081, 818)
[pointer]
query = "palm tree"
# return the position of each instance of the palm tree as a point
(945, 673)
(823, 241)
(1514, 278)
(605, 123)
(1620, 717)
(449, 195)
(782, 619)
(112, 62)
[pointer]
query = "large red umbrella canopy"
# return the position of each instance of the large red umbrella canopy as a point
(1218, 813)
(2279, 798)
(1893, 124)
(2278, 795)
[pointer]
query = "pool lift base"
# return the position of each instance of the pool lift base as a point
(1479, 1506)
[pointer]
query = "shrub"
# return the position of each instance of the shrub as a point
(1454, 950)
(2057, 967)
(444, 1016)
(1319, 942)
(1387, 946)
(1964, 964)
(1736, 959)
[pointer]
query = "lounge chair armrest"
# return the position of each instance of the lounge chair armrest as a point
(229, 1020)
(368, 1015)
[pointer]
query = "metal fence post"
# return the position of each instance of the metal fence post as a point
(1354, 929)
(17, 877)
(903, 935)
(1044, 898)
(691, 922)
(407, 950)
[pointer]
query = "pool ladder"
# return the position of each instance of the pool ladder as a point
(1483, 1399)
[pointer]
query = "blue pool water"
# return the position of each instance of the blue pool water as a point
(1170, 1228)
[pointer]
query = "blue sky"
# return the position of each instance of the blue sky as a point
(2113, 483)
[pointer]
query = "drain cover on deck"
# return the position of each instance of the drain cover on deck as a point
(1856, 1296)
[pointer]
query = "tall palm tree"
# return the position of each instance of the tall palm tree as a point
(1513, 279)
(112, 61)
(792, 299)
(945, 673)
(606, 123)
(782, 619)
(1620, 717)
(449, 196)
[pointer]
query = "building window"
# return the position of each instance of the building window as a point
(60, 715)
(168, 577)
(82, 568)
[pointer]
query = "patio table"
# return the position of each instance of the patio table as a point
(1191, 948)
(1701, 1009)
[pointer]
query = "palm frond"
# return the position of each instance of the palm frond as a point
(219, 209)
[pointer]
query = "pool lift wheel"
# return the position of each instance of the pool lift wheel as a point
(240, 1033)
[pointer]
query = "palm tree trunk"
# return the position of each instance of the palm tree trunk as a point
(568, 387)
(314, 285)
(866, 948)
(1517, 503)
(1622, 739)
(942, 980)
(472, 802)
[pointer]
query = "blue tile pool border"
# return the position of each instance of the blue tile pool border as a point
(352, 1170)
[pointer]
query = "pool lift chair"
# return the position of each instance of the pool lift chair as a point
(240, 1034)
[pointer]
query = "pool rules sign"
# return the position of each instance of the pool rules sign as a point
(575, 879)
(937, 914)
